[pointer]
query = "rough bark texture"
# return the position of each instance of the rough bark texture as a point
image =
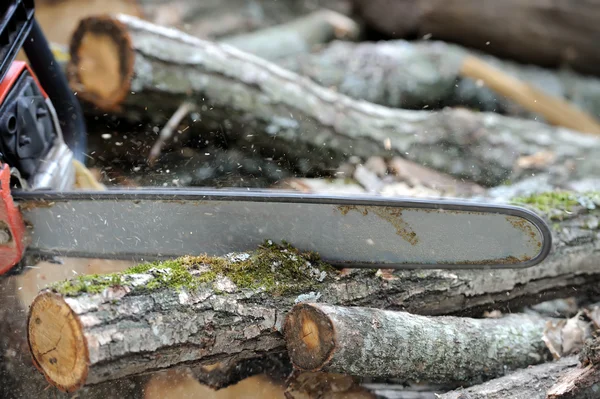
(296, 37)
(578, 383)
(538, 32)
(532, 383)
(417, 74)
(374, 343)
(582, 382)
(132, 329)
(280, 114)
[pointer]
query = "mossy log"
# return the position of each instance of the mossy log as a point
(539, 32)
(216, 314)
(127, 66)
(383, 344)
(433, 74)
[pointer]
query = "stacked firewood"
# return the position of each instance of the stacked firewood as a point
(474, 99)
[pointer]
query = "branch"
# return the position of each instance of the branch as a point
(531, 382)
(374, 343)
(280, 114)
(433, 74)
(510, 29)
(581, 382)
(298, 36)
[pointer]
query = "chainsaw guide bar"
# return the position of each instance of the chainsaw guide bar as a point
(357, 231)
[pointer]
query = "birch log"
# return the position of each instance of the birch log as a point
(375, 343)
(222, 316)
(125, 65)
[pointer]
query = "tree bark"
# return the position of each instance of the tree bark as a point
(18, 376)
(216, 19)
(151, 70)
(532, 382)
(374, 343)
(296, 37)
(138, 323)
(545, 33)
(582, 382)
(432, 74)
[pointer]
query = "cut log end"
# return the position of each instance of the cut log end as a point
(101, 61)
(310, 337)
(57, 343)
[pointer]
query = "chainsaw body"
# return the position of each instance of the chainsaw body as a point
(33, 153)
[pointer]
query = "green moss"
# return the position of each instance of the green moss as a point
(274, 268)
(558, 204)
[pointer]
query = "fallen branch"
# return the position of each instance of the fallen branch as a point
(584, 381)
(216, 313)
(554, 110)
(432, 74)
(216, 19)
(298, 36)
(531, 382)
(374, 343)
(510, 29)
(167, 130)
(280, 114)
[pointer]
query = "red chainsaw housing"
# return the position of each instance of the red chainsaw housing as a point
(11, 221)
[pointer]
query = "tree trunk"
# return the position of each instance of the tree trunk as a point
(148, 71)
(433, 75)
(216, 314)
(374, 343)
(539, 32)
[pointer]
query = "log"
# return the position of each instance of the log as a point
(128, 66)
(538, 32)
(434, 69)
(578, 383)
(582, 382)
(383, 344)
(433, 74)
(532, 382)
(216, 19)
(206, 314)
(18, 376)
(299, 36)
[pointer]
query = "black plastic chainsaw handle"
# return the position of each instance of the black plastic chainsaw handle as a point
(53, 80)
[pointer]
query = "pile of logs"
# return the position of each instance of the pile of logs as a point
(303, 96)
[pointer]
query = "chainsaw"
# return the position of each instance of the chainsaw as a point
(43, 134)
